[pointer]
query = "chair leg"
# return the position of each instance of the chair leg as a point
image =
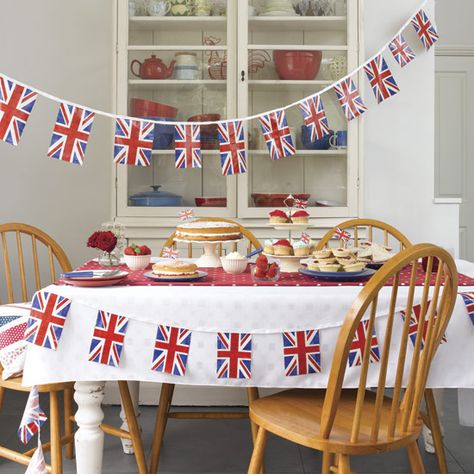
(68, 423)
(133, 427)
(160, 425)
(344, 465)
(327, 462)
(436, 431)
(256, 462)
(2, 395)
(55, 428)
(252, 394)
(414, 456)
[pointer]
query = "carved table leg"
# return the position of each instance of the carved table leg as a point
(134, 388)
(89, 438)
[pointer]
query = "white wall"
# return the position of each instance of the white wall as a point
(454, 19)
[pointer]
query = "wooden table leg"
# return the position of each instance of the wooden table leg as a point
(134, 389)
(89, 438)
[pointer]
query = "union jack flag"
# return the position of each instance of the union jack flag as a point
(301, 352)
(171, 350)
(232, 147)
(186, 215)
(47, 317)
(401, 52)
(306, 238)
(300, 203)
(315, 117)
(133, 142)
(107, 340)
(33, 417)
(187, 139)
(415, 322)
(381, 79)
(277, 135)
(342, 234)
(16, 104)
(356, 352)
(170, 252)
(70, 134)
(234, 355)
(350, 99)
(468, 299)
(425, 29)
(37, 464)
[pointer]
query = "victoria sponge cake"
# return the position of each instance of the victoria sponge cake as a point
(175, 268)
(208, 230)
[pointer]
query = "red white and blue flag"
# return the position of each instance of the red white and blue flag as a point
(187, 139)
(171, 350)
(186, 215)
(306, 238)
(342, 234)
(16, 104)
(170, 252)
(232, 147)
(37, 464)
(301, 352)
(300, 203)
(401, 51)
(234, 355)
(47, 317)
(356, 353)
(468, 299)
(350, 99)
(277, 135)
(108, 338)
(381, 79)
(315, 117)
(133, 142)
(71, 133)
(425, 29)
(33, 417)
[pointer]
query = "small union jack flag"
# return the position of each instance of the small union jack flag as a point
(425, 29)
(33, 417)
(306, 238)
(186, 215)
(277, 135)
(170, 252)
(47, 317)
(315, 117)
(468, 299)
(16, 104)
(401, 52)
(234, 355)
(133, 142)
(415, 322)
(187, 139)
(232, 147)
(350, 99)
(381, 79)
(356, 353)
(107, 340)
(342, 234)
(300, 203)
(71, 133)
(301, 352)
(171, 350)
(37, 464)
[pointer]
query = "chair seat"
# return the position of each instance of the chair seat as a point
(295, 415)
(15, 383)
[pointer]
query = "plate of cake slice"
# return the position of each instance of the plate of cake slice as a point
(175, 270)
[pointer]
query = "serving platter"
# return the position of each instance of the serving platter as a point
(339, 276)
(95, 282)
(182, 278)
(288, 226)
(288, 263)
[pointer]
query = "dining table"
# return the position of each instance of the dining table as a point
(268, 318)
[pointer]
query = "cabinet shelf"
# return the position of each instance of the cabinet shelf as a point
(277, 84)
(177, 23)
(301, 47)
(176, 84)
(298, 23)
(260, 152)
(177, 47)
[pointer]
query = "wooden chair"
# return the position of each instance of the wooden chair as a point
(343, 423)
(42, 245)
(167, 389)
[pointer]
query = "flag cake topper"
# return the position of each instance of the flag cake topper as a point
(170, 252)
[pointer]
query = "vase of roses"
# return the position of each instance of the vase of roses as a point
(105, 241)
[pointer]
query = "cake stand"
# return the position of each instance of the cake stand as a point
(209, 259)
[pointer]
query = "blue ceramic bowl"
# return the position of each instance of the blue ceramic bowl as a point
(163, 134)
(322, 144)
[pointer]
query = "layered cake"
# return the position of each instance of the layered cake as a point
(208, 230)
(175, 269)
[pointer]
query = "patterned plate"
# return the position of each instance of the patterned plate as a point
(339, 276)
(94, 282)
(154, 277)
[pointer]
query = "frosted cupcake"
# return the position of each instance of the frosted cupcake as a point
(300, 248)
(300, 217)
(268, 246)
(278, 217)
(282, 247)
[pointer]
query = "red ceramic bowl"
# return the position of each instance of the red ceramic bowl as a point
(211, 201)
(275, 200)
(297, 65)
(148, 108)
(205, 118)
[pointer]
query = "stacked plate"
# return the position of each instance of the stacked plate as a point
(94, 278)
(278, 8)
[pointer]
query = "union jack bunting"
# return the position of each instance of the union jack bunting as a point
(425, 29)
(468, 299)
(33, 417)
(16, 104)
(300, 203)
(170, 252)
(232, 147)
(401, 52)
(381, 79)
(306, 238)
(107, 340)
(187, 139)
(350, 99)
(133, 142)
(301, 352)
(315, 117)
(342, 234)
(356, 352)
(234, 355)
(71, 133)
(414, 324)
(171, 350)
(37, 464)
(186, 215)
(277, 135)
(47, 317)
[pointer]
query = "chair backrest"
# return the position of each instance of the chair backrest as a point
(252, 241)
(367, 229)
(16, 270)
(412, 366)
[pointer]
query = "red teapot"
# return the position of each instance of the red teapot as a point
(153, 68)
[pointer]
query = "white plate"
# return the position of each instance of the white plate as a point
(152, 276)
(278, 13)
(208, 241)
(288, 226)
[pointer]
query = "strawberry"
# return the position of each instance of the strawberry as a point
(259, 273)
(145, 250)
(272, 270)
(129, 251)
(262, 262)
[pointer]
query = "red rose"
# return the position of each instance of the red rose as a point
(92, 240)
(106, 241)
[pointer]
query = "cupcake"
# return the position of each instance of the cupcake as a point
(300, 217)
(300, 248)
(324, 253)
(268, 246)
(278, 217)
(282, 247)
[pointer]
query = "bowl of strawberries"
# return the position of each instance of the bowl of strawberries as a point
(137, 257)
(263, 270)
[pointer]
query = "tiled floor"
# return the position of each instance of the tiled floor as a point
(225, 447)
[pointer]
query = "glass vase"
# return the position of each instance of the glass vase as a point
(108, 259)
